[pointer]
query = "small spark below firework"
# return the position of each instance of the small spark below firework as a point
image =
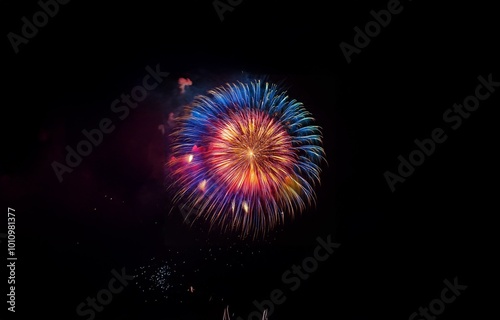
(226, 315)
(180, 278)
(153, 279)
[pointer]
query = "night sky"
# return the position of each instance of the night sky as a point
(113, 213)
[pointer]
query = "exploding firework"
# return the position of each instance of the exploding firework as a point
(246, 157)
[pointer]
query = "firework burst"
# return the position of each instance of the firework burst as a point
(246, 156)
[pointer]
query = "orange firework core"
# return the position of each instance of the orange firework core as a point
(251, 151)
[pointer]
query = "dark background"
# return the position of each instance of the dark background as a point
(396, 248)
